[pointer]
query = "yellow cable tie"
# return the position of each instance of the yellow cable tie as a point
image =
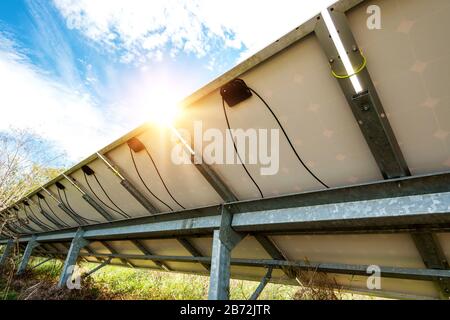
(361, 68)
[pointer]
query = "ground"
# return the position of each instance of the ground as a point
(119, 283)
(112, 282)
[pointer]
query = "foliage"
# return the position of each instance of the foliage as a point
(113, 282)
(26, 162)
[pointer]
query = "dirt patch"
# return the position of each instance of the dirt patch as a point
(37, 286)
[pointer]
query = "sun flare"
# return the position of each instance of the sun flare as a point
(163, 110)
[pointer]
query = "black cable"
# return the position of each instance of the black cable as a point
(35, 219)
(78, 215)
(235, 149)
(95, 194)
(72, 212)
(69, 207)
(160, 177)
(143, 182)
(123, 213)
(62, 201)
(289, 140)
(51, 210)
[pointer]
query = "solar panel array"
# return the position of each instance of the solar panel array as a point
(409, 63)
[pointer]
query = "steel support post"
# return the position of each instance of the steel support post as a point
(77, 244)
(224, 240)
(6, 253)
(27, 254)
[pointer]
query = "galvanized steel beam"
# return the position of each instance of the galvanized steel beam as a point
(264, 281)
(101, 265)
(214, 180)
(401, 205)
(433, 257)
(114, 251)
(224, 240)
(274, 252)
(86, 197)
(41, 263)
(145, 250)
(27, 254)
(192, 250)
(130, 187)
(77, 244)
(366, 105)
(335, 268)
(6, 252)
(63, 207)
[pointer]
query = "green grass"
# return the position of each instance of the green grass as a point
(114, 282)
(155, 285)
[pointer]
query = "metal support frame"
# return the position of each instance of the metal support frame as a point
(433, 258)
(47, 215)
(101, 265)
(114, 251)
(224, 240)
(27, 254)
(77, 244)
(19, 223)
(34, 219)
(214, 180)
(90, 250)
(130, 187)
(374, 124)
(41, 263)
(43, 224)
(192, 250)
(402, 205)
(366, 106)
(63, 207)
(6, 252)
(274, 252)
(86, 197)
(337, 268)
(143, 248)
(264, 281)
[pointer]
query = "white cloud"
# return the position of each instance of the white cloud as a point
(32, 100)
(141, 28)
(60, 108)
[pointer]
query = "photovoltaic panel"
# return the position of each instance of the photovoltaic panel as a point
(408, 62)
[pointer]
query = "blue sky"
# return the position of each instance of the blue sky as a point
(80, 73)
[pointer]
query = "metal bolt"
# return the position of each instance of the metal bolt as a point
(355, 48)
(365, 107)
(331, 60)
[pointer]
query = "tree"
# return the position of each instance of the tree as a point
(26, 162)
